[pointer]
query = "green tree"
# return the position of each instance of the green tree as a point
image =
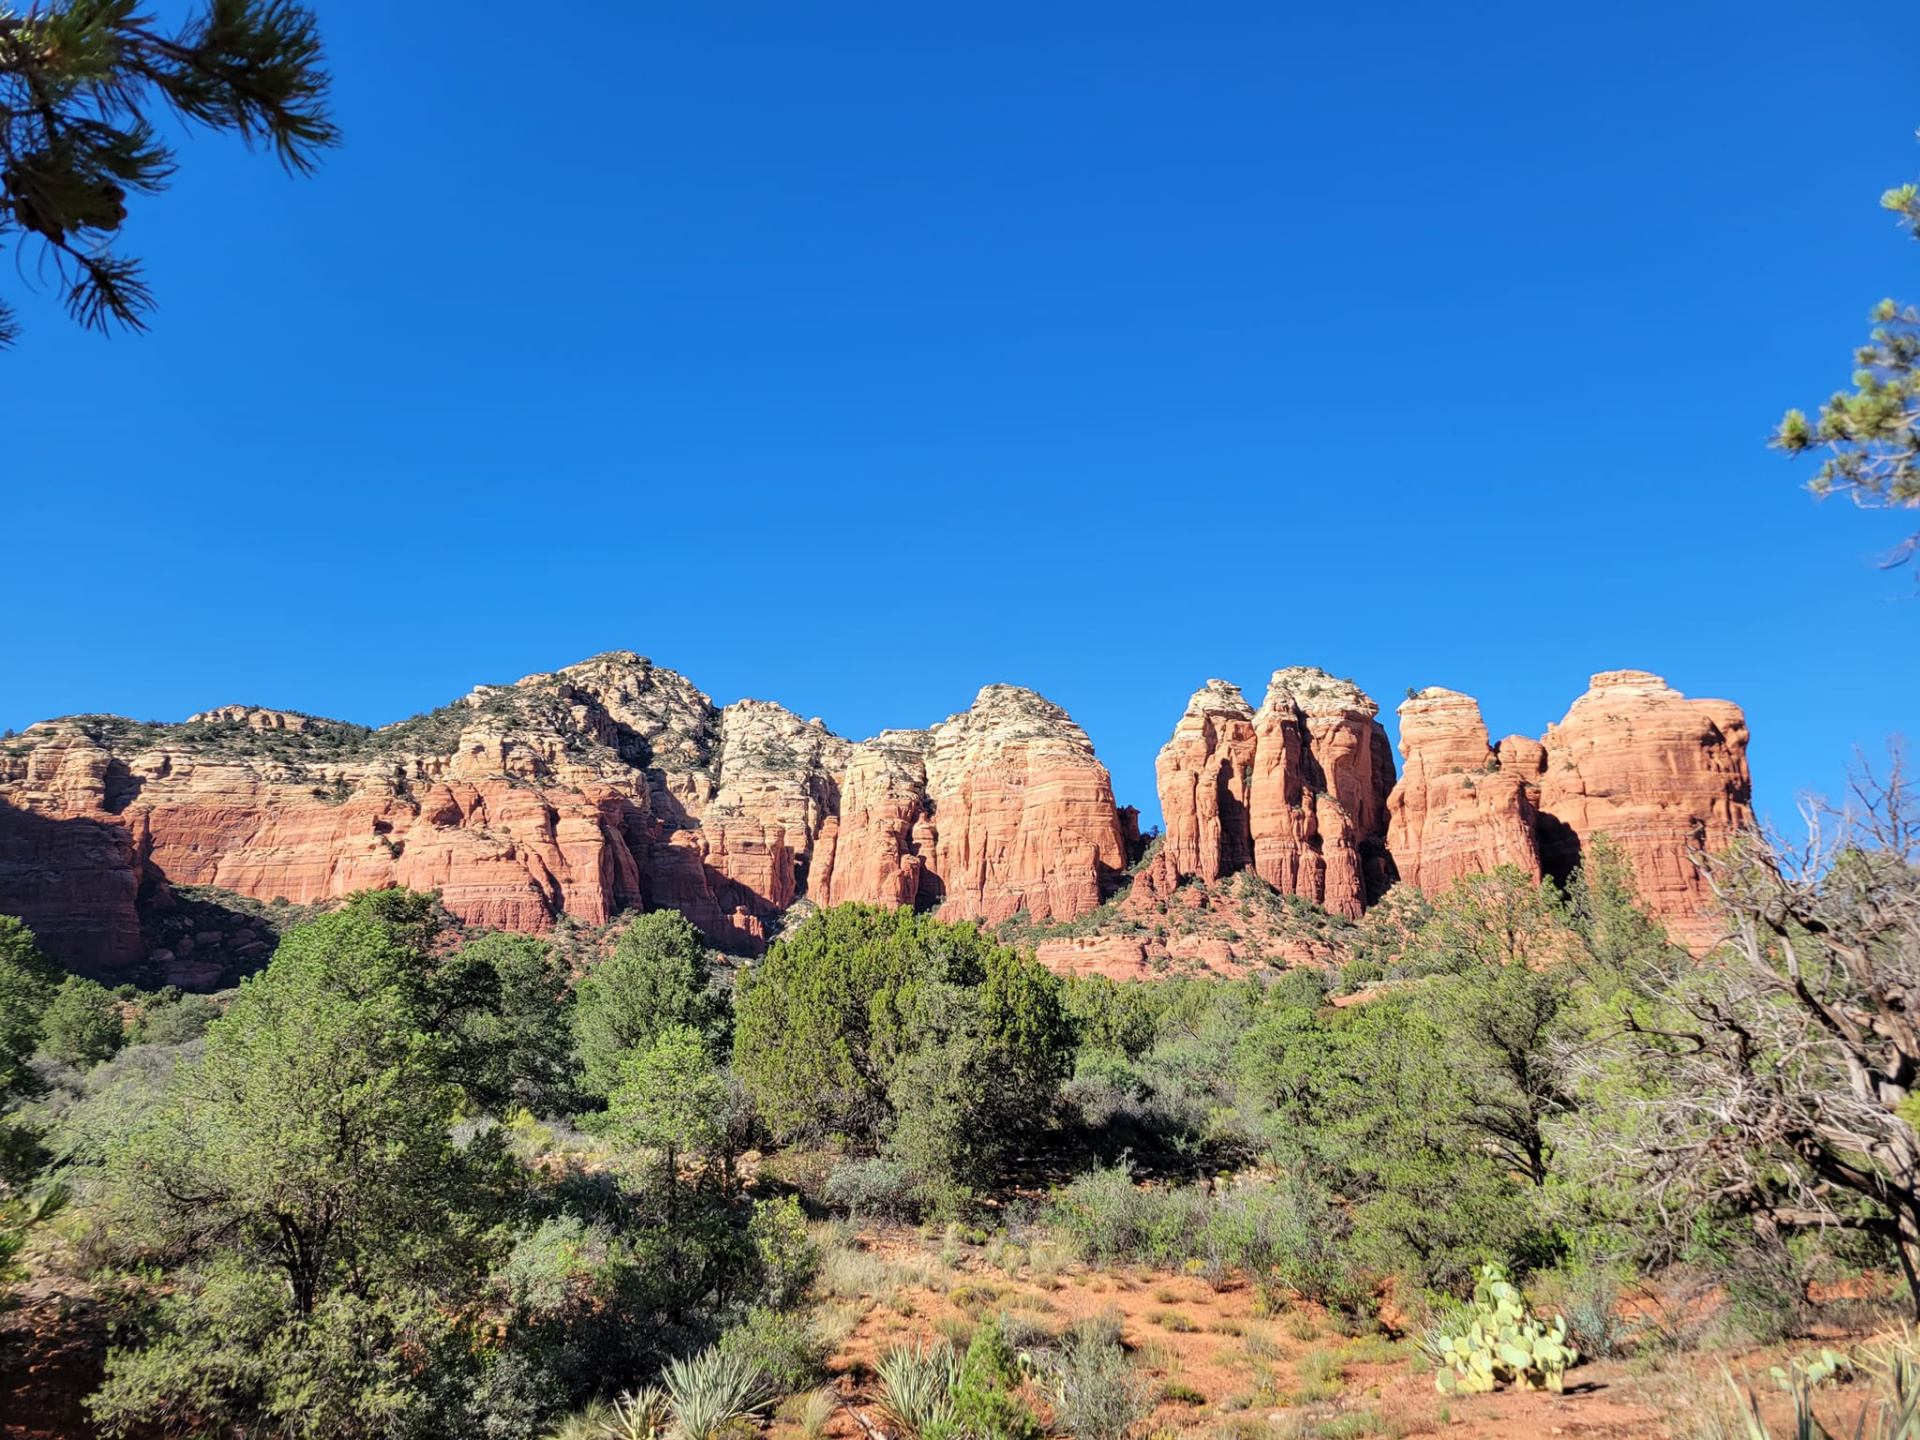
(1870, 435)
(1776, 1077)
(1366, 1102)
(513, 1043)
(314, 1135)
(656, 978)
(1502, 1023)
(888, 1026)
(80, 84)
(1502, 918)
(671, 1099)
(82, 1026)
(28, 980)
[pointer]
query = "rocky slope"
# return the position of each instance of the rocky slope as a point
(615, 784)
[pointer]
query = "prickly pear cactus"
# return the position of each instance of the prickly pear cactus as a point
(1504, 1344)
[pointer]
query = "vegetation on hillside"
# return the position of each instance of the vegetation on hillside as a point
(409, 1181)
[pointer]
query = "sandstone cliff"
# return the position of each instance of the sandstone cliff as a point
(610, 784)
(1460, 807)
(615, 784)
(1665, 777)
(999, 809)
(1662, 775)
(1296, 791)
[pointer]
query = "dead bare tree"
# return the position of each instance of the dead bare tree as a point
(1776, 1075)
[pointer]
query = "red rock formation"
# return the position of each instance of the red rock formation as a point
(867, 852)
(1664, 777)
(1297, 792)
(607, 785)
(1203, 774)
(1001, 808)
(614, 784)
(1460, 808)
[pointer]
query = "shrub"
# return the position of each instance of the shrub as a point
(982, 1408)
(783, 1344)
(787, 1256)
(877, 1189)
(82, 1025)
(1095, 1393)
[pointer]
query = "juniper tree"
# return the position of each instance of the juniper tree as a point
(81, 83)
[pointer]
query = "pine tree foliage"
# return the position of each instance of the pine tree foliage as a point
(81, 83)
(1869, 435)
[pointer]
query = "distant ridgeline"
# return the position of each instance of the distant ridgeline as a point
(615, 784)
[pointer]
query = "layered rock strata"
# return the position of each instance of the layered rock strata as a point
(999, 809)
(1461, 807)
(1663, 776)
(1296, 791)
(615, 784)
(608, 785)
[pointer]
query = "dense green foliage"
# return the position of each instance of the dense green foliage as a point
(896, 1031)
(655, 979)
(81, 1025)
(28, 980)
(80, 84)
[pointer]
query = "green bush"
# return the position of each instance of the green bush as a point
(983, 1407)
(878, 1189)
(82, 1024)
(782, 1344)
(895, 1029)
(787, 1256)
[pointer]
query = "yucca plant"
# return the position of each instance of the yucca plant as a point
(639, 1415)
(916, 1389)
(818, 1413)
(709, 1390)
(589, 1423)
(1747, 1407)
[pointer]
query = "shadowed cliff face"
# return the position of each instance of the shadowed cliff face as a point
(1295, 791)
(615, 784)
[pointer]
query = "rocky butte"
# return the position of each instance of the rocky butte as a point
(616, 784)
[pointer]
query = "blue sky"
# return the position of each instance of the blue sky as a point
(855, 356)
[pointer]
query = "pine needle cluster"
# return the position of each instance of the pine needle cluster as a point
(81, 84)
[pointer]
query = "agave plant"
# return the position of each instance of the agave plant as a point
(916, 1389)
(714, 1388)
(1805, 1427)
